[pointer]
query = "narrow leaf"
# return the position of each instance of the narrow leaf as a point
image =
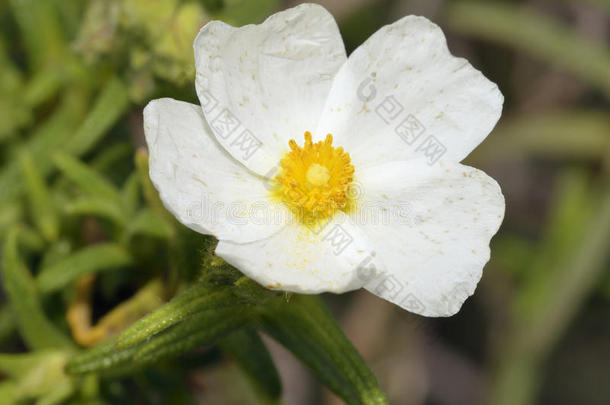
(148, 298)
(11, 102)
(148, 222)
(549, 134)
(243, 12)
(55, 252)
(30, 239)
(8, 392)
(108, 108)
(567, 263)
(19, 365)
(59, 395)
(99, 207)
(40, 30)
(151, 195)
(47, 137)
(307, 329)
(90, 181)
(541, 36)
(92, 259)
(247, 348)
(202, 329)
(104, 358)
(130, 193)
(196, 299)
(11, 212)
(35, 328)
(42, 86)
(42, 208)
(7, 323)
(110, 156)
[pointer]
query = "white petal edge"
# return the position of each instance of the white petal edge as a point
(202, 185)
(402, 95)
(334, 258)
(435, 242)
(262, 85)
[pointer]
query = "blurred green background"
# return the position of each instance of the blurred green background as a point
(74, 194)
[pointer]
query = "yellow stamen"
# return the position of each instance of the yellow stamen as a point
(315, 179)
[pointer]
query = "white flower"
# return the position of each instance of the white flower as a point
(382, 203)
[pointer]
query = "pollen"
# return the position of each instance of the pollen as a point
(315, 179)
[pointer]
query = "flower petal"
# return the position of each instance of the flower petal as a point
(435, 240)
(204, 187)
(262, 85)
(299, 259)
(402, 95)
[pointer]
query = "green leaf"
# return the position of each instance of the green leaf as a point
(513, 253)
(42, 86)
(108, 108)
(90, 181)
(40, 30)
(70, 14)
(48, 137)
(569, 217)
(42, 208)
(247, 349)
(148, 222)
(549, 134)
(19, 365)
(35, 328)
(306, 328)
(536, 33)
(92, 259)
(201, 329)
(200, 297)
(55, 252)
(570, 262)
(7, 323)
(108, 157)
(8, 392)
(60, 393)
(151, 195)
(40, 375)
(30, 239)
(10, 213)
(11, 77)
(242, 12)
(99, 207)
(105, 358)
(130, 193)
(55, 133)
(11, 102)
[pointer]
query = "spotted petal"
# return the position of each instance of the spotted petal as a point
(202, 185)
(334, 257)
(431, 226)
(261, 85)
(402, 95)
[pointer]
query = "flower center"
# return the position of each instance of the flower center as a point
(317, 175)
(315, 179)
